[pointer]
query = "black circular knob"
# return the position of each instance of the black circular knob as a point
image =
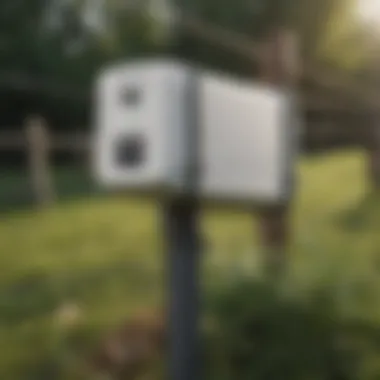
(131, 96)
(130, 151)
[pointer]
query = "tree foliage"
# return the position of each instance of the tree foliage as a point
(67, 41)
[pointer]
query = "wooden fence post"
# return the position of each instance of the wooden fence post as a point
(374, 152)
(278, 66)
(38, 160)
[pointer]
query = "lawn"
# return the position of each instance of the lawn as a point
(105, 254)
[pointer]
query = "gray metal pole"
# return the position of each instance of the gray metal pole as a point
(183, 244)
(183, 255)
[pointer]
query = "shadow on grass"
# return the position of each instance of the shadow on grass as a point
(363, 215)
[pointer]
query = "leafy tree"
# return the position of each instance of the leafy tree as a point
(62, 43)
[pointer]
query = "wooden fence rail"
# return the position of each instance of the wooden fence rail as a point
(13, 141)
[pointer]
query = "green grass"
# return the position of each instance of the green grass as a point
(106, 254)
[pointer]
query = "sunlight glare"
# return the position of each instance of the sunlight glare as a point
(369, 11)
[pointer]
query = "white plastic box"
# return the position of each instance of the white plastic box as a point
(155, 120)
(141, 105)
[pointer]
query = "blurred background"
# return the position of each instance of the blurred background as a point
(75, 262)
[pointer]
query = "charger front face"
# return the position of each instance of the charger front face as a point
(139, 140)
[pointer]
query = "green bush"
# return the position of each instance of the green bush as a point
(267, 331)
